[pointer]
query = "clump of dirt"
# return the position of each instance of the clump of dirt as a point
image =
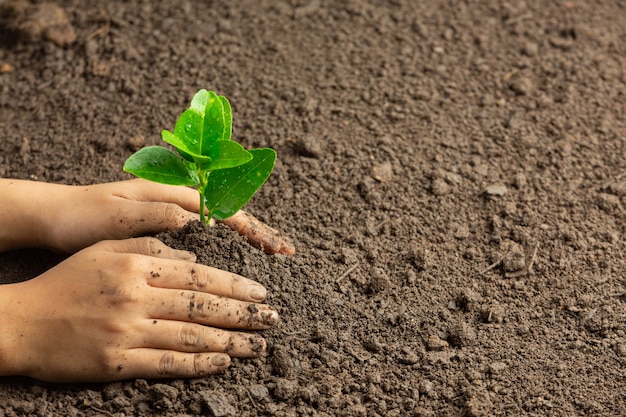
(34, 22)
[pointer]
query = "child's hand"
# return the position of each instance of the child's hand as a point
(129, 309)
(79, 216)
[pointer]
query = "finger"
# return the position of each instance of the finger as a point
(147, 217)
(146, 246)
(259, 234)
(155, 363)
(148, 191)
(196, 277)
(191, 337)
(210, 309)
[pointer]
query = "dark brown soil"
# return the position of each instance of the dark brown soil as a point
(454, 175)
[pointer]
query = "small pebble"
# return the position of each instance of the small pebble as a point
(496, 189)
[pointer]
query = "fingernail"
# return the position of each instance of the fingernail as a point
(257, 292)
(270, 317)
(185, 255)
(220, 360)
(257, 345)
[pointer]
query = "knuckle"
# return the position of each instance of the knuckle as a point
(168, 364)
(199, 278)
(171, 213)
(236, 282)
(202, 307)
(156, 247)
(172, 364)
(200, 365)
(189, 336)
(127, 263)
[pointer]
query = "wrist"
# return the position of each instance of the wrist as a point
(26, 213)
(10, 338)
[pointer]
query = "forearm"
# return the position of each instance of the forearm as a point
(25, 209)
(9, 336)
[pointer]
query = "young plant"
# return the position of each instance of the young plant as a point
(224, 173)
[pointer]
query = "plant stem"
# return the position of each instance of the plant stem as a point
(202, 218)
(203, 176)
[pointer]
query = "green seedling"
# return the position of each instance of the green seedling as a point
(224, 173)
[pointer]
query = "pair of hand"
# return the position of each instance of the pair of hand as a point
(131, 308)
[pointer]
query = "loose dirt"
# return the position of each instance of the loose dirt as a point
(453, 174)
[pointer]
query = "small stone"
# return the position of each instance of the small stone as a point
(158, 391)
(439, 187)
(136, 142)
(608, 202)
(461, 335)
(530, 49)
(285, 389)
(618, 188)
(521, 85)
(497, 367)
(493, 314)
(379, 281)
(309, 147)
(426, 387)
(373, 345)
(515, 259)
(258, 391)
(217, 404)
(461, 231)
(496, 189)
(382, 172)
(434, 342)
(408, 357)
(561, 43)
(284, 363)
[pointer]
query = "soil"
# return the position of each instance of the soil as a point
(453, 174)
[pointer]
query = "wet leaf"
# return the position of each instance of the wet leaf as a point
(228, 190)
(159, 164)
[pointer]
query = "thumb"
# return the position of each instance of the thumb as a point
(146, 246)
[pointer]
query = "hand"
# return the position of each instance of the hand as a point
(129, 309)
(81, 216)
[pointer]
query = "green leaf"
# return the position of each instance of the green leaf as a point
(227, 154)
(228, 118)
(217, 119)
(207, 120)
(159, 164)
(228, 190)
(183, 150)
(188, 131)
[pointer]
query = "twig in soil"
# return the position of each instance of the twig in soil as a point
(254, 403)
(101, 30)
(490, 267)
(348, 272)
(102, 411)
(532, 259)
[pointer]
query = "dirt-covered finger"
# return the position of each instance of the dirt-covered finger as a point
(156, 363)
(196, 338)
(146, 246)
(197, 277)
(210, 309)
(259, 234)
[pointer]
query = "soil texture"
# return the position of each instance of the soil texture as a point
(453, 174)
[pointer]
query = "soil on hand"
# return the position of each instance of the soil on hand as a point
(453, 175)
